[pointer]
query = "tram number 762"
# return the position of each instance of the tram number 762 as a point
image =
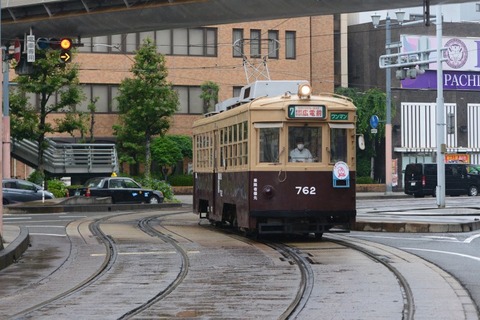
(306, 190)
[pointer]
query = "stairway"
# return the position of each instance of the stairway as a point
(68, 159)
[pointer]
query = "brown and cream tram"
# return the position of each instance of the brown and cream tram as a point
(277, 159)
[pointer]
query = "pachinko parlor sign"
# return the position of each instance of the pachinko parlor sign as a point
(461, 68)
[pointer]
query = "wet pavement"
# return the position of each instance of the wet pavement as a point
(427, 219)
(422, 274)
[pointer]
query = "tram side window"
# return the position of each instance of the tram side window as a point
(305, 144)
(338, 145)
(269, 144)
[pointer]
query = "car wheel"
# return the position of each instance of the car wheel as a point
(5, 201)
(473, 191)
(154, 200)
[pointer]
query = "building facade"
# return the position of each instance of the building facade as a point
(294, 49)
(414, 100)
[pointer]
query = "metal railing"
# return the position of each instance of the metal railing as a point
(68, 158)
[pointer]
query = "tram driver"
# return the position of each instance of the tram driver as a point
(300, 153)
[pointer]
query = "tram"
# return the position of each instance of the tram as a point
(277, 160)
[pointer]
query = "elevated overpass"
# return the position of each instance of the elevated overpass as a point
(87, 18)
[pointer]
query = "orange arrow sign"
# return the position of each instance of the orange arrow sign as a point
(65, 56)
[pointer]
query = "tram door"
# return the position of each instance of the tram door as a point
(216, 160)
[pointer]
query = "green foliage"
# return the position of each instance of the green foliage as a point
(50, 79)
(184, 143)
(209, 95)
(145, 103)
(363, 164)
(178, 180)
(57, 187)
(365, 180)
(166, 152)
(36, 177)
(160, 185)
(371, 102)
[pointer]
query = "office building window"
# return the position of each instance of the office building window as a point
(237, 35)
(273, 44)
(193, 42)
(189, 99)
(255, 48)
(290, 45)
(164, 41)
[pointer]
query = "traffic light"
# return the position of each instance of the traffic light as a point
(54, 43)
(63, 44)
(66, 44)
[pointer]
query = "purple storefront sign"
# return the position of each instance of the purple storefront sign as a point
(452, 80)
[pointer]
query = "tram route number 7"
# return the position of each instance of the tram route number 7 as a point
(306, 190)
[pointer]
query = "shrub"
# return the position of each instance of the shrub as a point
(36, 177)
(365, 180)
(158, 185)
(180, 180)
(57, 187)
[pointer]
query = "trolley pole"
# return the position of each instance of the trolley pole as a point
(388, 123)
(441, 146)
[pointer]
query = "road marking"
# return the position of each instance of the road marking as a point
(470, 239)
(48, 234)
(445, 252)
(142, 253)
(425, 238)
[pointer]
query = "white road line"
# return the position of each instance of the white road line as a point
(445, 252)
(470, 239)
(141, 253)
(428, 238)
(48, 234)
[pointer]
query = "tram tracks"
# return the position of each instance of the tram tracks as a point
(146, 227)
(110, 260)
(211, 276)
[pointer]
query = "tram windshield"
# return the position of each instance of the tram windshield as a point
(305, 144)
(269, 144)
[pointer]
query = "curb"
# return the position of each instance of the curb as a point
(15, 249)
(416, 227)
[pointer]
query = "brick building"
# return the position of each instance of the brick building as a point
(193, 56)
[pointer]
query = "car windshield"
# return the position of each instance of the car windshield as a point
(93, 183)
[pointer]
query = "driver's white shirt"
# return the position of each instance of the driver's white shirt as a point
(303, 155)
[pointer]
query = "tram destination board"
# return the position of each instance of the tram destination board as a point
(306, 111)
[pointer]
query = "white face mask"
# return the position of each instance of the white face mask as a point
(300, 146)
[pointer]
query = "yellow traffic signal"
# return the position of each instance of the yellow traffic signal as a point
(65, 43)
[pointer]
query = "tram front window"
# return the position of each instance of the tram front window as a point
(305, 144)
(269, 144)
(338, 145)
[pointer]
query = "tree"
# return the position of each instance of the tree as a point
(209, 95)
(167, 153)
(145, 102)
(56, 86)
(368, 103)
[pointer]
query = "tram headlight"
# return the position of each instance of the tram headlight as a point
(304, 91)
(268, 191)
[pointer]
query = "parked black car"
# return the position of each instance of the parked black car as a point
(16, 190)
(121, 190)
(460, 179)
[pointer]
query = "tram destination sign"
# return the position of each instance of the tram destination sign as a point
(306, 111)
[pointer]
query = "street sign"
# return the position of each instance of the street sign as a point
(31, 48)
(17, 51)
(374, 122)
(65, 56)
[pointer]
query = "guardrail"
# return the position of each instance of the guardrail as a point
(69, 158)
